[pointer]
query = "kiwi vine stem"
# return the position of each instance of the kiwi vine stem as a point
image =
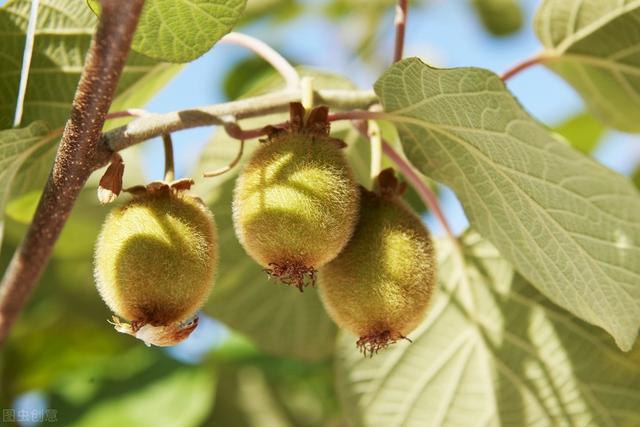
(154, 125)
(516, 69)
(375, 137)
(78, 155)
(266, 52)
(169, 168)
(402, 8)
(428, 197)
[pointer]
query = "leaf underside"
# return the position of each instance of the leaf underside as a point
(492, 351)
(566, 223)
(595, 46)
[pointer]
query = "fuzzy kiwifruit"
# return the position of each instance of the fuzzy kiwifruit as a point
(295, 203)
(500, 17)
(380, 285)
(155, 262)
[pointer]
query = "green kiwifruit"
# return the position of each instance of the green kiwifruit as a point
(295, 203)
(380, 285)
(500, 17)
(155, 262)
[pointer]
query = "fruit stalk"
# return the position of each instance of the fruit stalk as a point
(266, 52)
(402, 8)
(77, 157)
(169, 167)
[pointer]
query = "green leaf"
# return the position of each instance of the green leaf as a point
(276, 11)
(22, 208)
(182, 398)
(492, 351)
(500, 17)
(137, 92)
(594, 45)
(63, 35)
(568, 224)
(243, 75)
(182, 30)
(16, 145)
(582, 131)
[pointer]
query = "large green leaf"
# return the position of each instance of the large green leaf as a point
(568, 224)
(16, 146)
(182, 30)
(582, 131)
(595, 46)
(500, 17)
(183, 397)
(62, 38)
(492, 351)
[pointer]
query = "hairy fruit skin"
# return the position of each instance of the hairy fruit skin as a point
(155, 260)
(380, 285)
(295, 204)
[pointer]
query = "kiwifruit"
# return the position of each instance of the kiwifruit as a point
(295, 203)
(155, 261)
(380, 285)
(500, 17)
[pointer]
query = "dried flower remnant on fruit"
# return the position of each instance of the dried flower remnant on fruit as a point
(372, 344)
(295, 203)
(380, 285)
(160, 336)
(155, 262)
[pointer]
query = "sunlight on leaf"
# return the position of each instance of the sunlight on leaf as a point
(595, 46)
(182, 30)
(492, 351)
(16, 145)
(568, 224)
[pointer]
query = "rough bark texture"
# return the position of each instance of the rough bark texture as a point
(78, 155)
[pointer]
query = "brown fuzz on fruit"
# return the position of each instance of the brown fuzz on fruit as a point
(155, 261)
(295, 203)
(380, 285)
(293, 274)
(372, 344)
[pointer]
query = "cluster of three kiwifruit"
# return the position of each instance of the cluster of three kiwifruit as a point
(296, 209)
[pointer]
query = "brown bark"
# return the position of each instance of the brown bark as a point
(79, 154)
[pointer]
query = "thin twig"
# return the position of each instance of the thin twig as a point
(423, 190)
(375, 136)
(402, 8)
(26, 62)
(538, 59)
(358, 115)
(154, 125)
(230, 166)
(131, 112)
(169, 167)
(266, 52)
(425, 193)
(78, 155)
